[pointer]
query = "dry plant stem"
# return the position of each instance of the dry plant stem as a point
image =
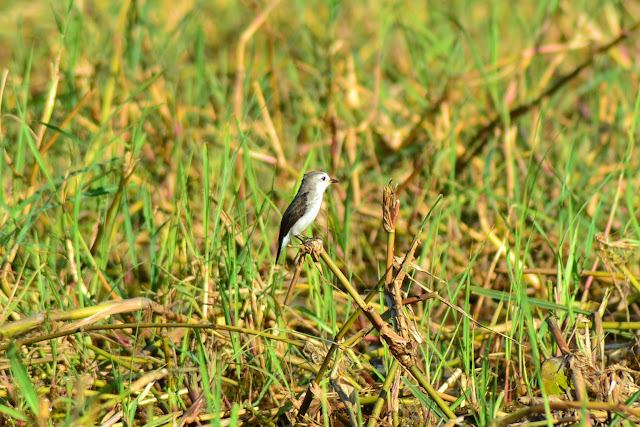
(10, 294)
(607, 230)
(600, 350)
(239, 83)
(391, 238)
(368, 311)
(54, 137)
(384, 392)
(64, 124)
(491, 236)
(576, 372)
(619, 326)
(134, 388)
(273, 79)
(51, 98)
(509, 146)
(102, 310)
(147, 325)
(579, 383)
(114, 66)
(126, 363)
(240, 68)
(45, 118)
(419, 376)
(261, 418)
(294, 280)
(631, 277)
(124, 180)
(402, 326)
(271, 130)
(311, 246)
(88, 315)
(390, 209)
(347, 325)
(603, 275)
(482, 135)
(427, 113)
(416, 171)
(397, 345)
(562, 405)
(3, 83)
(94, 266)
(334, 346)
(557, 336)
(355, 338)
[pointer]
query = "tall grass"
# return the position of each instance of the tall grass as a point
(150, 148)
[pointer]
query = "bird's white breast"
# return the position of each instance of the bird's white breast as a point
(313, 208)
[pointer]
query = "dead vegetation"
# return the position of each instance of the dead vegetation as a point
(486, 219)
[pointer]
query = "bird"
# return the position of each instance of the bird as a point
(304, 208)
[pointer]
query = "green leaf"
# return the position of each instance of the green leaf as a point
(554, 375)
(12, 413)
(507, 297)
(22, 377)
(424, 399)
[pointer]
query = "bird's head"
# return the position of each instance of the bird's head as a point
(317, 179)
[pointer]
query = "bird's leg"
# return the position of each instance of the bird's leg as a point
(310, 245)
(301, 237)
(304, 240)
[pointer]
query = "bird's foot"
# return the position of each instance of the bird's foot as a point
(312, 246)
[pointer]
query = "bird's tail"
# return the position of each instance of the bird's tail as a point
(278, 253)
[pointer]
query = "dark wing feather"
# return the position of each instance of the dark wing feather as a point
(293, 213)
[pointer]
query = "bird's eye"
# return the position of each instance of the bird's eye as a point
(324, 178)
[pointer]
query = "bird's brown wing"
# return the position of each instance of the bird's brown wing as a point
(293, 213)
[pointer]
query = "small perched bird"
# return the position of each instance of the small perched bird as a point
(304, 208)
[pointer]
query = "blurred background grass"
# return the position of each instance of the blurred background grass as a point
(149, 148)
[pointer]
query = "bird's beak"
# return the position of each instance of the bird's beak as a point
(333, 181)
